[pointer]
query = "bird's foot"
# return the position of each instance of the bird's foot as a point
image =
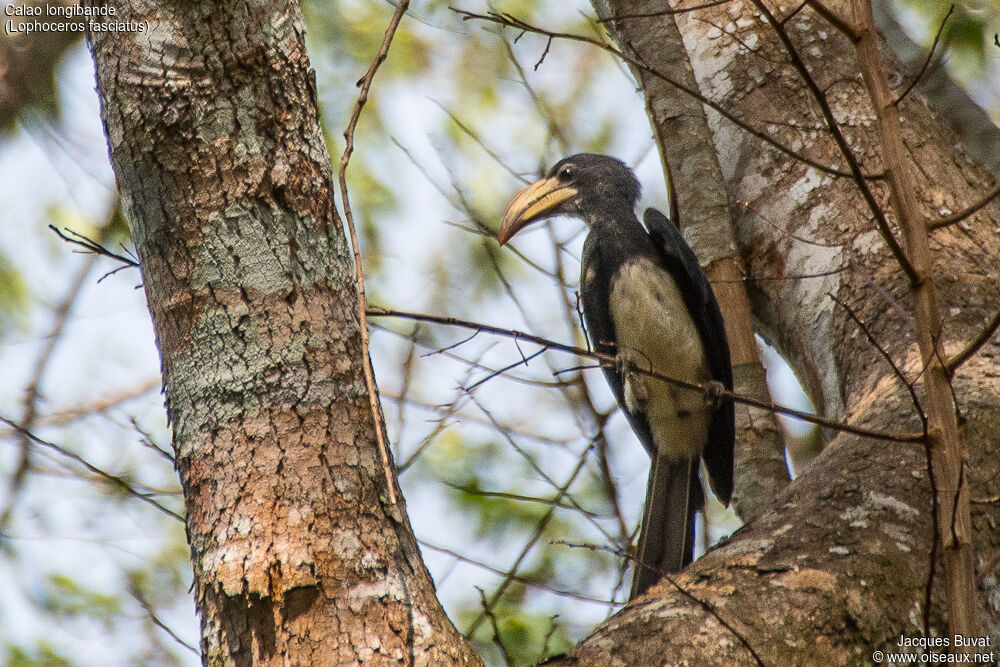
(713, 392)
(634, 381)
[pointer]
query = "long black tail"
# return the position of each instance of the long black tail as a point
(666, 541)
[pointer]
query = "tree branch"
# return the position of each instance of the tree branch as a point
(607, 360)
(954, 525)
(365, 85)
(113, 480)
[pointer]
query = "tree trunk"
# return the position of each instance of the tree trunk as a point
(839, 565)
(299, 555)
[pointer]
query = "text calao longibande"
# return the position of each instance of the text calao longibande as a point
(67, 11)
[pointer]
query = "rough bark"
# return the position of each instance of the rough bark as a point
(299, 557)
(838, 566)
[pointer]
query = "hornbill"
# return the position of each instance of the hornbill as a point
(648, 304)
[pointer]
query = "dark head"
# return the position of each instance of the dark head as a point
(576, 185)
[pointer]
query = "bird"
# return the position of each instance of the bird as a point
(648, 305)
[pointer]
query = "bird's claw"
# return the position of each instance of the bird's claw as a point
(713, 392)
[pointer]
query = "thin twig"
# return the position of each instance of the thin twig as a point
(29, 417)
(662, 12)
(146, 440)
(98, 407)
(115, 481)
(502, 371)
(855, 262)
(488, 610)
(545, 113)
(56, 335)
(533, 583)
(520, 497)
(545, 477)
(610, 360)
(543, 522)
(92, 246)
(472, 134)
(669, 578)
(885, 355)
(553, 626)
(962, 215)
(930, 56)
(711, 609)
(795, 12)
(148, 608)
(834, 19)
(514, 22)
(952, 364)
(365, 85)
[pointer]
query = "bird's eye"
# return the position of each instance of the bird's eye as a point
(566, 173)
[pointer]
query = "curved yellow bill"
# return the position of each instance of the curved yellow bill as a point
(530, 204)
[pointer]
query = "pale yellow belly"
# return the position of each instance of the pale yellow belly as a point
(654, 332)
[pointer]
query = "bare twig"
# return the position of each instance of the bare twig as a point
(712, 611)
(523, 361)
(545, 477)
(563, 490)
(984, 336)
(519, 497)
(55, 337)
(930, 56)
(146, 440)
(553, 626)
(96, 248)
(669, 578)
(534, 583)
(479, 141)
(514, 22)
(662, 12)
(885, 355)
(876, 285)
(148, 608)
(33, 391)
(97, 407)
(497, 639)
(971, 210)
(113, 480)
(609, 360)
(365, 85)
(834, 19)
(545, 113)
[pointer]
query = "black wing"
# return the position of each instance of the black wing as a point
(680, 261)
(595, 285)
